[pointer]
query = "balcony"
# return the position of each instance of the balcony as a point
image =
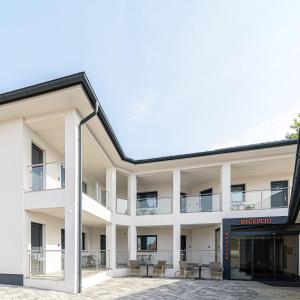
(94, 190)
(154, 206)
(48, 176)
(260, 199)
(200, 203)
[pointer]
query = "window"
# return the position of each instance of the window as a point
(83, 241)
(147, 200)
(238, 193)
(147, 242)
(84, 187)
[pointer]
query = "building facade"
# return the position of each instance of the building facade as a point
(226, 205)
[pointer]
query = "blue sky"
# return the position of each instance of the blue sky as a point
(173, 76)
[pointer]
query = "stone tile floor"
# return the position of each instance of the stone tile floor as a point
(147, 288)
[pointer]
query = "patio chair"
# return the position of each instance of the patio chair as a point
(216, 270)
(160, 268)
(134, 267)
(186, 271)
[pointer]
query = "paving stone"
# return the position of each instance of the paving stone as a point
(131, 288)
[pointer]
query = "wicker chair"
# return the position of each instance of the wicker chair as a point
(216, 270)
(134, 267)
(160, 268)
(186, 271)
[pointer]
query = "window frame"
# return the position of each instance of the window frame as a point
(243, 191)
(146, 236)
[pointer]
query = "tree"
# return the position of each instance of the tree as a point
(295, 127)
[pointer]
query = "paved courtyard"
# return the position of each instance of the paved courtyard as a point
(138, 288)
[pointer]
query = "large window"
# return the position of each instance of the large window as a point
(238, 193)
(147, 242)
(146, 200)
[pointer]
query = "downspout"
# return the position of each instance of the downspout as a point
(83, 121)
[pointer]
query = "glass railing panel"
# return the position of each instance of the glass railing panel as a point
(203, 257)
(200, 203)
(154, 206)
(122, 258)
(45, 264)
(260, 199)
(95, 259)
(46, 176)
(152, 257)
(122, 206)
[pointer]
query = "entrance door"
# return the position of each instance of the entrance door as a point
(62, 243)
(263, 258)
(206, 200)
(279, 193)
(183, 247)
(37, 168)
(36, 248)
(103, 250)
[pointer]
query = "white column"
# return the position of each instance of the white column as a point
(176, 246)
(132, 242)
(132, 194)
(71, 207)
(226, 187)
(176, 191)
(111, 245)
(111, 187)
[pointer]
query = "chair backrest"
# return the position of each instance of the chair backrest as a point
(161, 262)
(133, 264)
(183, 266)
(215, 266)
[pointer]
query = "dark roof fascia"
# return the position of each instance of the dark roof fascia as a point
(294, 206)
(82, 79)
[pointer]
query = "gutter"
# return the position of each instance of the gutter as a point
(294, 206)
(82, 122)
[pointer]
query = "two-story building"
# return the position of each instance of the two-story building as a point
(78, 207)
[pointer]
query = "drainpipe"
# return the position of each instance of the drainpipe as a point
(83, 121)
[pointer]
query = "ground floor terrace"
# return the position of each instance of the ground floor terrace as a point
(161, 288)
(108, 248)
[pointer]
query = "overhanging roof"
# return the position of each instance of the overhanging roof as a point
(81, 79)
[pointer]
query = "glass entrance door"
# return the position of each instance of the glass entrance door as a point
(265, 257)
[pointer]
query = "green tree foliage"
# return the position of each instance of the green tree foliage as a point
(295, 129)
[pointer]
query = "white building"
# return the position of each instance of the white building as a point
(188, 207)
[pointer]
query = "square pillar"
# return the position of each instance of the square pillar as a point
(111, 187)
(71, 204)
(226, 187)
(132, 194)
(176, 246)
(176, 191)
(132, 242)
(111, 246)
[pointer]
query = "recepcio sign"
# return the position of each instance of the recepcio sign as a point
(255, 221)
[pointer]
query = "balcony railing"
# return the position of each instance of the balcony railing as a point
(154, 206)
(46, 176)
(262, 199)
(200, 203)
(46, 264)
(152, 257)
(122, 206)
(95, 259)
(93, 189)
(200, 256)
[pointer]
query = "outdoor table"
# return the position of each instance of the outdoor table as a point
(200, 266)
(147, 268)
